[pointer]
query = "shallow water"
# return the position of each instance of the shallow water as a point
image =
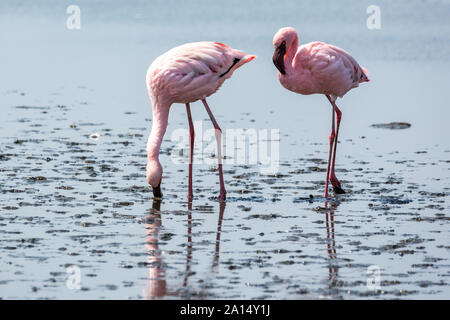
(75, 120)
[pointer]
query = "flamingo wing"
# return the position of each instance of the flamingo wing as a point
(332, 69)
(195, 65)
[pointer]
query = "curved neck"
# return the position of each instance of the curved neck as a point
(290, 54)
(159, 125)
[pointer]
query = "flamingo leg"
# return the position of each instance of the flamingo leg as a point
(334, 181)
(190, 195)
(218, 133)
(331, 139)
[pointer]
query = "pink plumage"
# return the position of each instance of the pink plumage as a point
(185, 74)
(317, 67)
(193, 71)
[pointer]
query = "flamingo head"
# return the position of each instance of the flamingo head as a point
(282, 41)
(154, 177)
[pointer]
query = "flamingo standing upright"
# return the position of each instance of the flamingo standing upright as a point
(185, 74)
(317, 67)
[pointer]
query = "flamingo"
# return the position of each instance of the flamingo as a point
(185, 74)
(317, 67)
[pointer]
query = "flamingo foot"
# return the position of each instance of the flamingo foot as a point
(334, 181)
(338, 190)
(222, 196)
(336, 184)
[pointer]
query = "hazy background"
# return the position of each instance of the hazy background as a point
(80, 82)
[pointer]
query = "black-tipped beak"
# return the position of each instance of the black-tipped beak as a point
(157, 191)
(278, 57)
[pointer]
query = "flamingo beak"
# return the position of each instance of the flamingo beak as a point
(278, 57)
(157, 191)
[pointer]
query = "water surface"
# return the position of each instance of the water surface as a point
(74, 124)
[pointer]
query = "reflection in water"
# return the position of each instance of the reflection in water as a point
(157, 287)
(219, 231)
(331, 244)
(189, 246)
(157, 284)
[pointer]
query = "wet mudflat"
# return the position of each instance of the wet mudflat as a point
(71, 198)
(74, 122)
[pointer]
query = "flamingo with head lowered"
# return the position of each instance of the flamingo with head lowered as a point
(317, 67)
(185, 74)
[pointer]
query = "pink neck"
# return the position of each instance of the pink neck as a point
(159, 125)
(290, 54)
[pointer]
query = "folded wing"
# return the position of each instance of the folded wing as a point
(331, 68)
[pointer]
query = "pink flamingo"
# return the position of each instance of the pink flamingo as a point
(317, 67)
(185, 74)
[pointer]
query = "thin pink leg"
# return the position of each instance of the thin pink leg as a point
(190, 195)
(334, 181)
(218, 133)
(331, 139)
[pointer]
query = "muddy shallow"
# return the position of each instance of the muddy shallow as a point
(72, 164)
(70, 200)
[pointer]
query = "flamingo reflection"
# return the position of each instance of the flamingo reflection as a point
(189, 246)
(219, 231)
(331, 243)
(157, 287)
